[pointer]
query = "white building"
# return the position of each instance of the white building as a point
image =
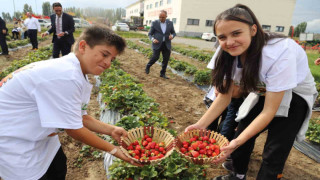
(193, 17)
(134, 10)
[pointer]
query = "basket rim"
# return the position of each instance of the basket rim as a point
(206, 160)
(152, 129)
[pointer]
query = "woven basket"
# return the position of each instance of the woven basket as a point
(220, 140)
(157, 134)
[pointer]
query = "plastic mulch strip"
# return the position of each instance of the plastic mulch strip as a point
(309, 149)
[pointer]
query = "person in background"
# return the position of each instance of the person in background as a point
(161, 34)
(62, 27)
(21, 29)
(45, 98)
(15, 30)
(33, 26)
(274, 70)
(3, 41)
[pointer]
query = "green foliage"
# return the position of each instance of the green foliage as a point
(202, 77)
(41, 54)
(174, 167)
(313, 132)
(122, 93)
(131, 34)
(46, 8)
(300, 28)
(196, 54)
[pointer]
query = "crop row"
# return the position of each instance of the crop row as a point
(200, 77)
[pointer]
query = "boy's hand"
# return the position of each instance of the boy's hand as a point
(118, 132)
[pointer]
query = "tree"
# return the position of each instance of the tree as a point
(17, 14)
(46, 8)
(27, 8)
(300, 28)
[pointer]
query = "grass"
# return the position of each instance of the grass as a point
(315, 70)
(131, 34)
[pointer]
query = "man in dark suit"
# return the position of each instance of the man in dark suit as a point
(62, 27)
(3, 33)
(161, 34)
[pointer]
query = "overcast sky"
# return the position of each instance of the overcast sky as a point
(305, 10)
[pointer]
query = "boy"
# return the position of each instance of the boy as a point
(40, 99)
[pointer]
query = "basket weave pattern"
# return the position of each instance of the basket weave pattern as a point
(220, 140)
(157, 134)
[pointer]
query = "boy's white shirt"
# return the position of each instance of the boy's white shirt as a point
(34, 103)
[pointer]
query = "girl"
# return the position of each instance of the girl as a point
(274, 70)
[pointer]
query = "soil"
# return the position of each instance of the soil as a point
(181, 102)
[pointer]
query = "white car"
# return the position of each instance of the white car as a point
(44, 23)
(209, 37)
(81, 23)
(120, 27)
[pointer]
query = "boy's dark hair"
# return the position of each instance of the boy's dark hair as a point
(56, 4)
(101, 35)
(251, 67)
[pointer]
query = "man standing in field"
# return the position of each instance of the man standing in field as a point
(161, 34)
(33, 26)
(62, 27)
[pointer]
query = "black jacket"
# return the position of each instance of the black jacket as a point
(3, 26)
(67, 25)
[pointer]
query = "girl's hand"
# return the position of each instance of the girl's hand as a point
(118, 132)
(227, 150)
(193, 126)
(119, 154)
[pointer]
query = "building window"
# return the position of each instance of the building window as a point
(266, 28)
(209, 22)
(279, 28)
(168, 1)
(174, 20)
(156, 4)
(147, 6)
(150, 6)
(161, 2)
(193, 21)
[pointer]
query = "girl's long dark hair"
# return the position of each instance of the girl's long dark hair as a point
(224, 62)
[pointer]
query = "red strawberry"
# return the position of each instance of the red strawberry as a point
(202, 151)
(183, 150)
(195, 153)
(149, 139)
(161, 149)
(212, 141)
(137, 152)
(171, 121)
(205, 138)
(138, 147)
(130, 147)
(160, 156)
(136, 157)
(186, 146)
(136, 143)
(217, 151)
(144, 143)
(161, 144)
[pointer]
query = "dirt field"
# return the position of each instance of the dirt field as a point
(181, 102)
